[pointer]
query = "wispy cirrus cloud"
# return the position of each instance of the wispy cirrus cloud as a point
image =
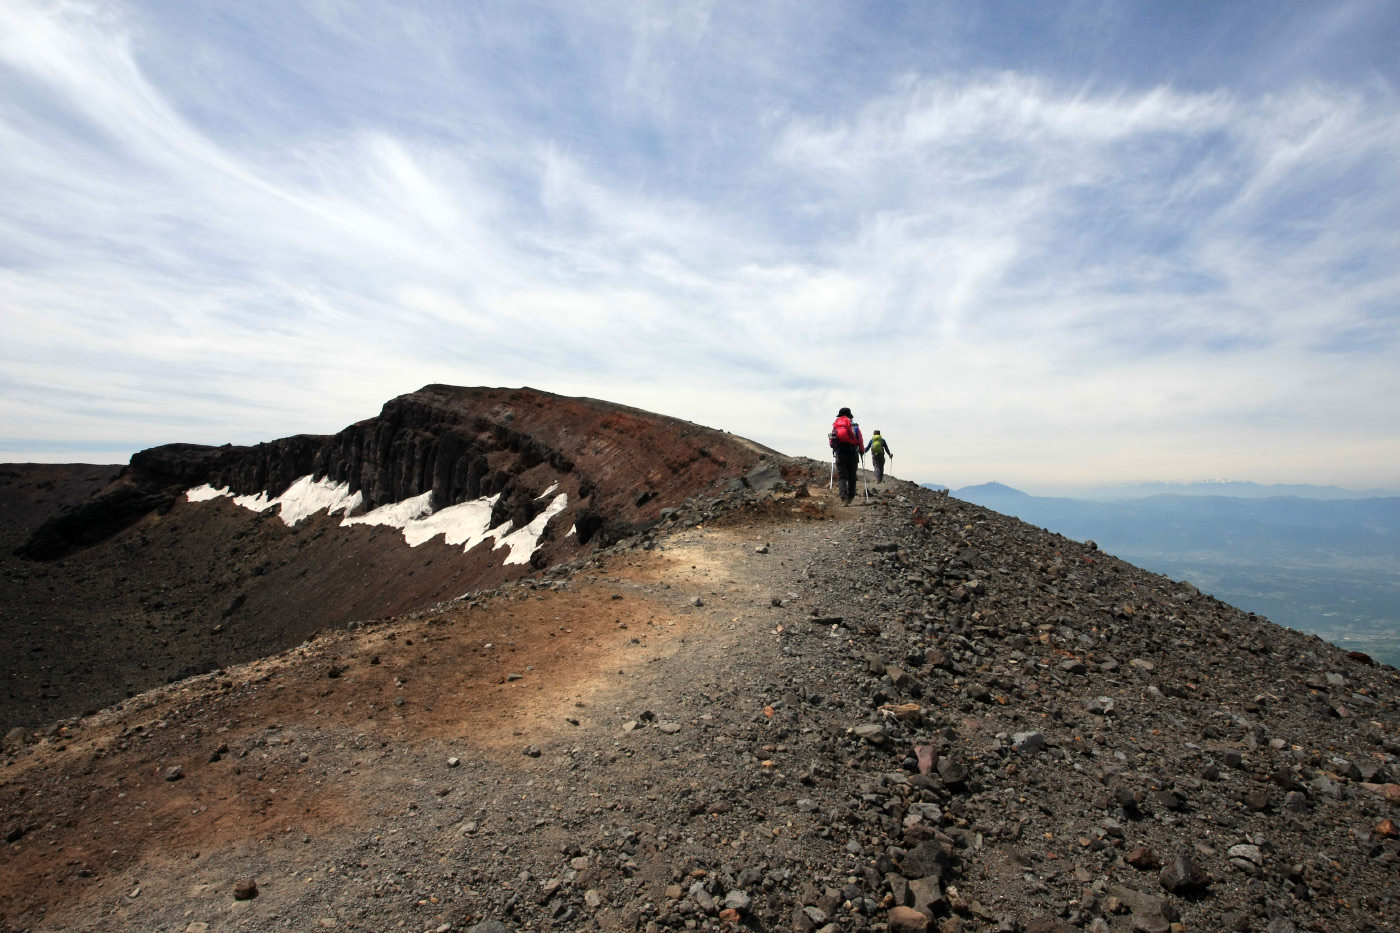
(229, 224)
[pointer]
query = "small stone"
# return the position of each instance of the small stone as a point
(1142, 858)
(926, 893)
(453, 762)
(669, 728)
(952, 772)
(1150, 923)
(1028, 742)
(245, 890)
(925, 860)
(738, 901)
(907, 919)
(1250, 855)
(938, 659)
(174, 773)
(1182, 874)
(872, 732)
(1257, 799)
(532, 751)
(16, 738)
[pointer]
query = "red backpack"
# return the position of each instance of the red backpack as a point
(842, 432)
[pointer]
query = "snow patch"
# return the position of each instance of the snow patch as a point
(205, 493)
(467, 523)
(396, 514)
(526, 541)
(306, 497)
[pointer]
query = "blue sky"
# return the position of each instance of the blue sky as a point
(1048, 244)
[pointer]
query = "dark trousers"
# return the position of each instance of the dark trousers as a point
(846, 470)
(879, 469)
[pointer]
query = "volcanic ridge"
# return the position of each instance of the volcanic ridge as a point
(502, 660)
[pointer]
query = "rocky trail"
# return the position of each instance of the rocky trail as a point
(768, 712)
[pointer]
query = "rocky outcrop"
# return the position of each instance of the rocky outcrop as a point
(150, 484)
(121, 584)
(619, 465)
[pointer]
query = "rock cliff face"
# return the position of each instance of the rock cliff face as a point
(618, 465)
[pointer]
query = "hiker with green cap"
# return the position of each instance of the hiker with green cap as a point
(879, 449)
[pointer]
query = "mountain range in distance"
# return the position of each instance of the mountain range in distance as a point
(1319, 559)
(1229, 488)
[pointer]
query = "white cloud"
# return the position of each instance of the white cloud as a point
(704, 210)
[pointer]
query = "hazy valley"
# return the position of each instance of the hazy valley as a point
(1311, 560)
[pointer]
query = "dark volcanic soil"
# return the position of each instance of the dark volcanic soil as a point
(770, 711)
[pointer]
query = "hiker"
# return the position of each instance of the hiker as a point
(846, 446)
(879, 449)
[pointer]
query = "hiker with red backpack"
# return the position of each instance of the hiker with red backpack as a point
(846, 446)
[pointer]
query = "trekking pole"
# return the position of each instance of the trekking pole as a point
(865, 481)
(832, 481)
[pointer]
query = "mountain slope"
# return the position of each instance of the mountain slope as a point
(1331, 567)
(764, 710)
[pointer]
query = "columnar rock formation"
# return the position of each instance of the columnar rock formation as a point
(459, 444)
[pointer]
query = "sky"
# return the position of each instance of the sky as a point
(1047, 244)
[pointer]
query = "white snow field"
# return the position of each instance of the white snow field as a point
(467, 523)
